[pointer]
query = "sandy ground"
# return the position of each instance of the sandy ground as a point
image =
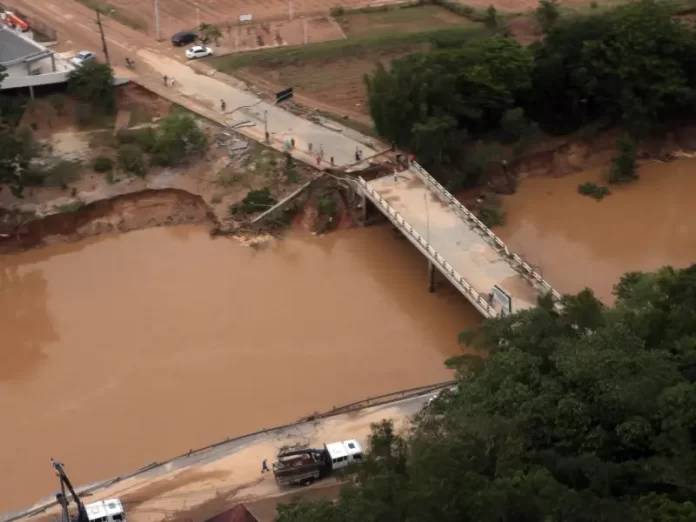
(193, 487)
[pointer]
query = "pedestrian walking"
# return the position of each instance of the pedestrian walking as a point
(309, 147)
(172, 82)
(411, 159)
(268, 137)
(165, 81)
(332, 162)
(321, 151)
(292, 142)
(223, 105)
(264, 466)
(287, 144)
(318, 159)
(396, 176)
(357, 155)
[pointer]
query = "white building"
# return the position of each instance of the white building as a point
(28, 63)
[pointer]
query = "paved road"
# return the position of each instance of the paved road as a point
(77, 30)
(452, 237)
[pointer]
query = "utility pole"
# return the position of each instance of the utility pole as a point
(157, 22)
(101, 31)
(265, 126)
(304, 28)
(198, 17)
(290, 9)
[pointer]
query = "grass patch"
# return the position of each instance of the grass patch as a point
(118, 14)
(404, 18)
(69, 207)
(337, 49)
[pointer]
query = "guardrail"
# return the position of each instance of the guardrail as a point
(447, 270)
(484, 229)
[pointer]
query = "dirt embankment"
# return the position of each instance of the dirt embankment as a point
(143, 209)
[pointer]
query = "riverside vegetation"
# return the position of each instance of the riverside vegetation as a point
(582, 414)
(631, 67)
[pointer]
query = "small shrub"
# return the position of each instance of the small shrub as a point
(491, 215)
(291, 169)
(69, 207)
(337, 11)
(624, 163)
(257, 201)
(109, 177)
(102, 164)
(62, 173)
(593, 4)
(131, 159)
(145, 138)
(593, 190)
(326, 206)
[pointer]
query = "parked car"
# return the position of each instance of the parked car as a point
(183, 38)
(82, 57)
(198, 51)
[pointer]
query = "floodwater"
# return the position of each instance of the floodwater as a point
(121, 350)
(578, 242)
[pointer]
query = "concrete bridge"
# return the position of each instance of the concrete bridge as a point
(456, 243)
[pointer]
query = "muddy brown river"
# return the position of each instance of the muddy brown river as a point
(578, 242)
(122, 350)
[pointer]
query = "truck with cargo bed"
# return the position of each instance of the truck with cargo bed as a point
(304, 466)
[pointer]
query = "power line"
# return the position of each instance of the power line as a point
(157, 21)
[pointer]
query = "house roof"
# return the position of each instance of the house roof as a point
(238, 513)
(15, 47)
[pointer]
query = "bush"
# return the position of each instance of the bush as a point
(62, 173)
(593, 190)
(257, 201)
(102, 164)
(326, 206)
(145, 138)
(491, 215)
(93, 83)
(624, 163)
(178, 136)
(337, 11)
(513, 124)
(131, 159)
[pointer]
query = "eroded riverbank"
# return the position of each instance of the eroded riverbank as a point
(121, 350)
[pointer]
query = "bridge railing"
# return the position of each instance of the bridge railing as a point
(474, 296)
(484, 229)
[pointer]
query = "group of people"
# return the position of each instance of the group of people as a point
(169, 82)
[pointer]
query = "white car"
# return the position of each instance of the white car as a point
(82, 57)
(198, 51)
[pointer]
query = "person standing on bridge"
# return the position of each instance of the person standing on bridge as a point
(396, 175)
(264, 466)
(165, 81)
(223, 105)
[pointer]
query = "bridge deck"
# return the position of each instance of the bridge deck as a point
(454, 239)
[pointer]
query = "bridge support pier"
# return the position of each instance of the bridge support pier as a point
(431, 276)
(363, 202)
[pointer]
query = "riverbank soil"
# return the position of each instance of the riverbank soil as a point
(222, 176)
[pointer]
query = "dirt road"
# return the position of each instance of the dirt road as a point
(77, 30)
(231, 473)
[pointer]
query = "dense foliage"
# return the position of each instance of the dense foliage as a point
(634, 65)
(93, 84)
(16, 146)
(585, 414)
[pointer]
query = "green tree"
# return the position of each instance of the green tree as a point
(491, 18)
(93, 83)
(579, 413)
(209, 32)
(624, 164)
(178, 136)
(547, 14)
